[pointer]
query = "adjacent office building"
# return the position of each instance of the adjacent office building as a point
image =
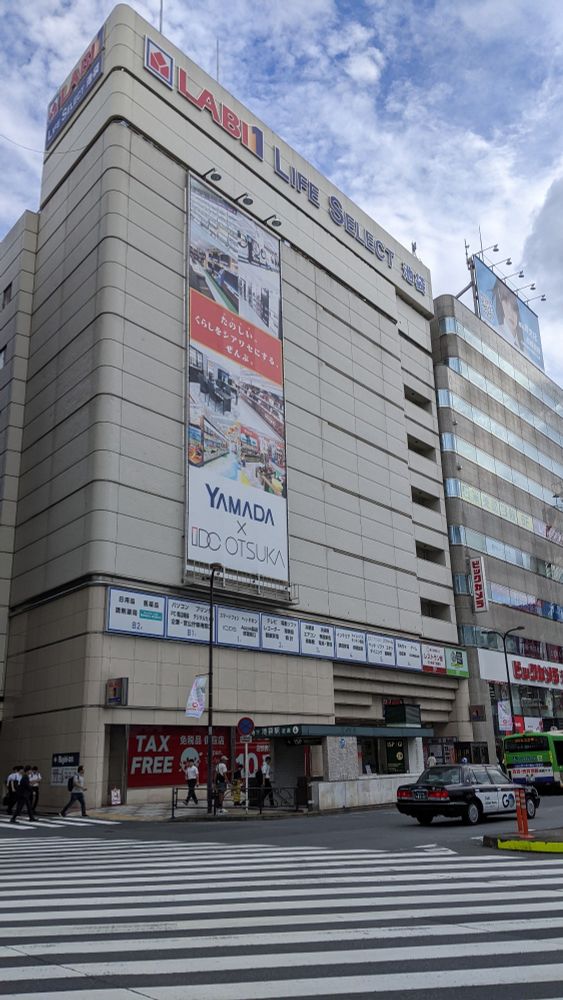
(502, 436)
(216, 370)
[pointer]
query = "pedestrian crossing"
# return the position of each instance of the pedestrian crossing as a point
(51, 823)
(124, 918)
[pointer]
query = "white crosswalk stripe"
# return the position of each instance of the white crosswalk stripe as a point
(208, 921)
(52, 823)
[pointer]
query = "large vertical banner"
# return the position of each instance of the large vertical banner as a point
(236, 466)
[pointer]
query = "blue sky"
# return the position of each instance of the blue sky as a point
(436, 116)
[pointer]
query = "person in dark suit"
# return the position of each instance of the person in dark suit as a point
(23, 796)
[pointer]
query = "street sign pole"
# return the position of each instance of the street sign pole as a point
(245, 727)
(246, 777)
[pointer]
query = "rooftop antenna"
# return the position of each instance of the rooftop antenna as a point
(160, 18)
(468, 262)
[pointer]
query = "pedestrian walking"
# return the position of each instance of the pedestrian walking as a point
(23, 796)
(268, 779)
(12, 782)
(192, 777)
(220, 784)
(76, 788)
(35, 780)
(431, 760)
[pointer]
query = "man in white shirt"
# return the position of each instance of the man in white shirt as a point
(220, 784)
(35, 779)
(77, 792)
(192, 777)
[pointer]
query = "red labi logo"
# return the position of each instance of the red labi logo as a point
(159, 62)
(160, 65)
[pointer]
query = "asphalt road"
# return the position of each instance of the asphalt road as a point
(383, 829)
(354, 905)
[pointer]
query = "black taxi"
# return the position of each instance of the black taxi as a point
(469, 791)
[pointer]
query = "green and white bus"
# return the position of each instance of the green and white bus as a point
(536, 758)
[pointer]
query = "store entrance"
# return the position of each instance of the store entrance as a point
(368, 755)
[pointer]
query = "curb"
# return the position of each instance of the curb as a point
(514, 844)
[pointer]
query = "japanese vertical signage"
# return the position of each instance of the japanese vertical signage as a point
(236, 465)
(78, 83)
(480, 599)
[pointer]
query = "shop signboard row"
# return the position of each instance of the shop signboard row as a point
(159, 616)
(159, 756)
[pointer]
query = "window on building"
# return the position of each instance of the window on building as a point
(417, 399)
(7, 295)
(461, 583)
(425, 499)
(430, 554)
(421, 447)
(2, 357)
(433, 609)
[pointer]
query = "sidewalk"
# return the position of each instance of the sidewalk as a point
(541, 841)
(160, 812)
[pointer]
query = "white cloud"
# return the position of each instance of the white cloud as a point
(435, 117)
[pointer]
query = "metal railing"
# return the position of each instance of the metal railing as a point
(260, 799)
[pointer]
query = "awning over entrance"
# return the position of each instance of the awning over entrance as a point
(291, 731)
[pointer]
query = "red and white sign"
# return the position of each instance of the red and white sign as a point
(159, 756)
(433, 659)
(480, 599)
(541, 674)
(160, 63)
(258, 750)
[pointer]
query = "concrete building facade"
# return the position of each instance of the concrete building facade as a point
(99, 391)
(501, 435)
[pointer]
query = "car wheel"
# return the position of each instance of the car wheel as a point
(530, 808)
(473, 813)
(425, 820)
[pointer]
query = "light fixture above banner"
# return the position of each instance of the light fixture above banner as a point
(212, 175)
(273, 221)
(245, 199)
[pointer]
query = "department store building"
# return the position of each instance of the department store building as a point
(210, 356)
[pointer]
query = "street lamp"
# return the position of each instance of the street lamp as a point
(504, 637)
(215, 568)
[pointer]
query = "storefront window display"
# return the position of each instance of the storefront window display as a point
(532, 702)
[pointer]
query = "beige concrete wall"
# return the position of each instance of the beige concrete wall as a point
(60, 660)
(17, 277)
